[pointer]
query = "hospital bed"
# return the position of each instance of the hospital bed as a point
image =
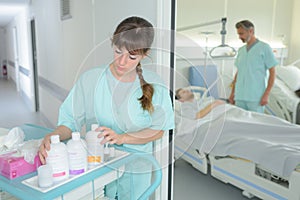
(283, 101)
(250, 176)
(254, 178)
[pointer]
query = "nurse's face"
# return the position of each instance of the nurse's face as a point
(245, 35)
(124, 63)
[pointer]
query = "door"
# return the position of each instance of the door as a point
(16, 58)
(34, 62)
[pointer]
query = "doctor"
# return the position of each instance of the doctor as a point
(131, 104)
(249, 88)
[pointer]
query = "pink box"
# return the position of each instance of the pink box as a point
(12, 167)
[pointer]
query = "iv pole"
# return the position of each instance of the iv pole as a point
(231, 50)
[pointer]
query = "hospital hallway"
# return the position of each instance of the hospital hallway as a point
(13, 109)
(189, 183)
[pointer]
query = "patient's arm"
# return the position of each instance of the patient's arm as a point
(208, 108)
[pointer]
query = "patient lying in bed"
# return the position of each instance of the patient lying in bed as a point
(224, 129)
(192, 108)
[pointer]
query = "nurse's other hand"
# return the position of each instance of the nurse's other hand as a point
(45, 145)
(110, 136)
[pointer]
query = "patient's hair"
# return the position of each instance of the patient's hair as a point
(177, 96)
(297, 92)
(245, 24)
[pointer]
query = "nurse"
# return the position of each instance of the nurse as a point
(132, 105)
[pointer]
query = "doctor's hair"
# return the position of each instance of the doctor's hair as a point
(136, 35)
(245, 24)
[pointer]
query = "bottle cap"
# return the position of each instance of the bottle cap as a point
(75, 136)
(54, 139)
(45, 178)
(94, 127)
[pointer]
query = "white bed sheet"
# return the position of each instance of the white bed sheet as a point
(282, 92)
(228, 130)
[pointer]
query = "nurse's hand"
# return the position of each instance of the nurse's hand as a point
(110, 136)
(44, 147)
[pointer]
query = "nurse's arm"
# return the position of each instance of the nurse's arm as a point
(140, 137)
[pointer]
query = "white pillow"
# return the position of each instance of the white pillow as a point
(290, 75)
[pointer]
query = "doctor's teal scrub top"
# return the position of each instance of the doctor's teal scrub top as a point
(252, 68)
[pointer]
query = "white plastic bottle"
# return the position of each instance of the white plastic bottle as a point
(95, 149)
(58, 159)
(106, 152)
(77, 150)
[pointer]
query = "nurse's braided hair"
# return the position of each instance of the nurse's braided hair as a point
(136, 35)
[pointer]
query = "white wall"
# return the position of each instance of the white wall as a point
(2, 49)
(294, 50)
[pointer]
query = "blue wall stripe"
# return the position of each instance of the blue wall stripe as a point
(259, 188)
(24, 70)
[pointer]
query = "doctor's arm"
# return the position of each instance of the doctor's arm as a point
(271, 80)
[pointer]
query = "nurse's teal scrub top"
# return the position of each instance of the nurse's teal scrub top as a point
(252, 68)
(91, 101)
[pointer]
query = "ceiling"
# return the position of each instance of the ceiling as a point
(9, 9)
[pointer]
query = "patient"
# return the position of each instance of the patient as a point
(192, 108)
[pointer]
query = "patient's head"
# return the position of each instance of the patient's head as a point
(184, 95)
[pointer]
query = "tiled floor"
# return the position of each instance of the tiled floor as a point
(189, 183)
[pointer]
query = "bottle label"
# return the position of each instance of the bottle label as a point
(94, 159)
(76, 171)
(59, 174)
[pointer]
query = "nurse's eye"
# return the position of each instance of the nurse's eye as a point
(132, 57)
(118, 51)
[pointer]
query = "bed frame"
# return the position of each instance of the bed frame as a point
(254, 180)
(251, 178)
(277, 107)
(191, 155)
